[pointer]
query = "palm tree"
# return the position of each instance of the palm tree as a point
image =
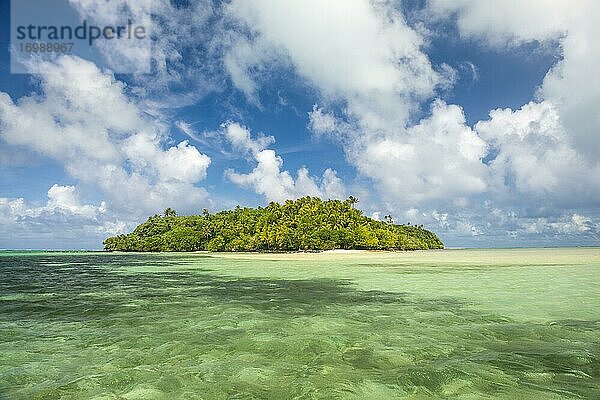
(169, 212)
(352, 201)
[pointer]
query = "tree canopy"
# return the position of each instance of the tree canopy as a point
(305, 224)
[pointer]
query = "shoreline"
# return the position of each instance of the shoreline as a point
(334, 251)
(553, 256)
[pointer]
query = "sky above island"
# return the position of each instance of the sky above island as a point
(478, 119)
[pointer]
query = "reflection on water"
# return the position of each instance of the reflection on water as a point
(99, 326)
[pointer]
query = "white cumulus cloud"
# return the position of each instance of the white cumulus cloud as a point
(268, 178)
(63, 221)
(83, 119)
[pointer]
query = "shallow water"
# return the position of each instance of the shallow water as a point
(461, 324)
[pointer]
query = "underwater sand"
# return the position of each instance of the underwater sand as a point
(452, 324)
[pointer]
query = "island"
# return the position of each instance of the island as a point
(305, 224)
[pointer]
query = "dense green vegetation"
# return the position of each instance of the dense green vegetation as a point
(308, 223)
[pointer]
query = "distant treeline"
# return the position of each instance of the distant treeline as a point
(308, 223)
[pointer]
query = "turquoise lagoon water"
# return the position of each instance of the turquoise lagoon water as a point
(459, 324)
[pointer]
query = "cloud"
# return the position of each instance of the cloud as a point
(548, 149)
(331, 186)
(439, 158)
(83, 119)
(63, 221)
(371, 91)
(321, 122)
(182, 51)
(64, 199)
(187, 129)
(239, 137)
(540, 159)
(268, 179)
(512, 22)
(482, 224)
(521, 172)
(182, 163)
(377, 83)
(572, 86)
(359, 52)
(572, 224)
(469, 69)
(535, 158)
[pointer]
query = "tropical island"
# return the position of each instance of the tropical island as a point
(306, 224)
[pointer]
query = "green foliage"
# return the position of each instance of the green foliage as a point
(169, 212)
(308, 223)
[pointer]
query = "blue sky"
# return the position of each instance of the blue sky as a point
(475, 118)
